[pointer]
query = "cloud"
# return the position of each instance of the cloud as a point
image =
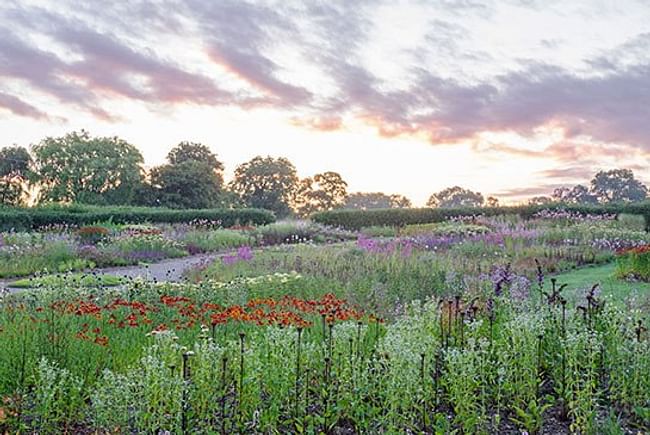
(606, 104)
(103, 67)
(19, 107)
(318, 123)
(543, 190)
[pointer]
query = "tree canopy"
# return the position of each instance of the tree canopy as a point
(375, 200)
(196, 152)
(617, 185)
(266, 182)
(94, 170)
(15, 171)
(322, 192)
(192, 178)
(455, 196)
(578, 194)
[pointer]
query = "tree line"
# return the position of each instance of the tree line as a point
(80, 168)
(606, 187)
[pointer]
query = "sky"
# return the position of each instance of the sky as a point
(511, 98)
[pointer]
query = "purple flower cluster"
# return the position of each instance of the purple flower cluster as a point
(501, 276)
(442, 242)
(244, 253)
(403, 246)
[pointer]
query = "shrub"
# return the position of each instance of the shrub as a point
(357, 219)
(32, 218)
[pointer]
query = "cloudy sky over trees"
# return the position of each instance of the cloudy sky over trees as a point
(510, 97)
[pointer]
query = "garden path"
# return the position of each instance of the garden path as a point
(170, 270)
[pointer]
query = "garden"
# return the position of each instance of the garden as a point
(500, 323)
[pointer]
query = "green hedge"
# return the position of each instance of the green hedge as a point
(396, 217)
(32, 218)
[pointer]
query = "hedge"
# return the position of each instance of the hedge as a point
(356, 219)
(33, 218)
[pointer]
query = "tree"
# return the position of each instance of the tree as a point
(577, 194)
(192, 178)
(80, 168)
(492, 202)
(375, 200)
(455, 196)
(399, 201)
(193, 151)
(322, 192)
(617, 185)
(266, 182)
(540, 200)
(15, 172)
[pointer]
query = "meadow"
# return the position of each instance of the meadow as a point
(477, 324)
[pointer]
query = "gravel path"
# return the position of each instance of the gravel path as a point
(171, 269)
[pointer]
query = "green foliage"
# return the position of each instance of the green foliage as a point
(375, 200)
(634, 264)
(291, 232)
(577, 194)
(93, 170)
(268, 183)
(324, 191)
(430, 370)
(193, 178)
(453, 197)
(189, 184)
(15, 172)
(357, 219)
(29, 258)
(618, 185)
(379, 231)
(214, 240)
(26, 218)
(69, 280)
(444, 229)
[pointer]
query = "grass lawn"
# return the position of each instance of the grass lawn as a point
(585, 278)
(74, 279)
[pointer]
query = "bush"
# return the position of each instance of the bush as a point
(357, 219)
(33, 218)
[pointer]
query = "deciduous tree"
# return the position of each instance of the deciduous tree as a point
(15, 172)
(266, 182)
(375, 200)
(80, 168)
(322, 192)
(192, 178)
(455, 196)
(618, 185)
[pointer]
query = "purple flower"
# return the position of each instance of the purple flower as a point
(501, 275)
(244, 253)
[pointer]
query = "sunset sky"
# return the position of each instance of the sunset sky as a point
(508, 97)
